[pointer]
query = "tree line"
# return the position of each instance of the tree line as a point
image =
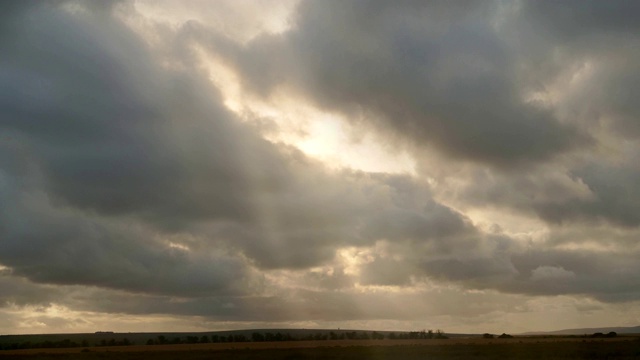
(66, 343)
(233, 338)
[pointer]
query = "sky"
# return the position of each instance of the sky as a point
(469, 166)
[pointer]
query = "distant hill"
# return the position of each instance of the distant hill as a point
(619, 330)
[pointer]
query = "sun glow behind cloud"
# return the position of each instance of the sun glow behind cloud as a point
(326, 137)
(323, 136)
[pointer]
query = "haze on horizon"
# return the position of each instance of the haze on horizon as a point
(383, 165)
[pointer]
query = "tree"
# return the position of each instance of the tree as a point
(440, 335)
(192, 339)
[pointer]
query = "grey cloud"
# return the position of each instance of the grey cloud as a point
(356, 209)
(426, 71)
(120, 155)
(301, 304)
(615, 96)
(616, 193)
(335, 280)
(85, 127)
(435, 221)
(111, 130)
(573, 20)
(497, 262)
(602, 275)
(604, 100)
(598, 234)
(475, 270)
(594, 190)
(19, 291)
(387, 271)
(287, 306)
(599, 39)
(58, 247)
(581, 58)
(128, 187)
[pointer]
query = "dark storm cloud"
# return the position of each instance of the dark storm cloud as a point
(435, 74)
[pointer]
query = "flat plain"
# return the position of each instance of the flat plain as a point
(624, 347)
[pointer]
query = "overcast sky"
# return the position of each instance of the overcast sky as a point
(470, 166)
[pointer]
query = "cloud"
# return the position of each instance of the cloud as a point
(436, 75)
(574, 20)
(18, 291)
(127, 186)
(550, 272)
(139, 179)
(583, 193)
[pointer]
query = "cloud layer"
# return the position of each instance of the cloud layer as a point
(129, 185)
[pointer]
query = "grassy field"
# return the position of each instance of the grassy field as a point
(517, 348)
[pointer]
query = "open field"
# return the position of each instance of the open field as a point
(516, 348)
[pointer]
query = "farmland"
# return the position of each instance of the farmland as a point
(624, 347)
